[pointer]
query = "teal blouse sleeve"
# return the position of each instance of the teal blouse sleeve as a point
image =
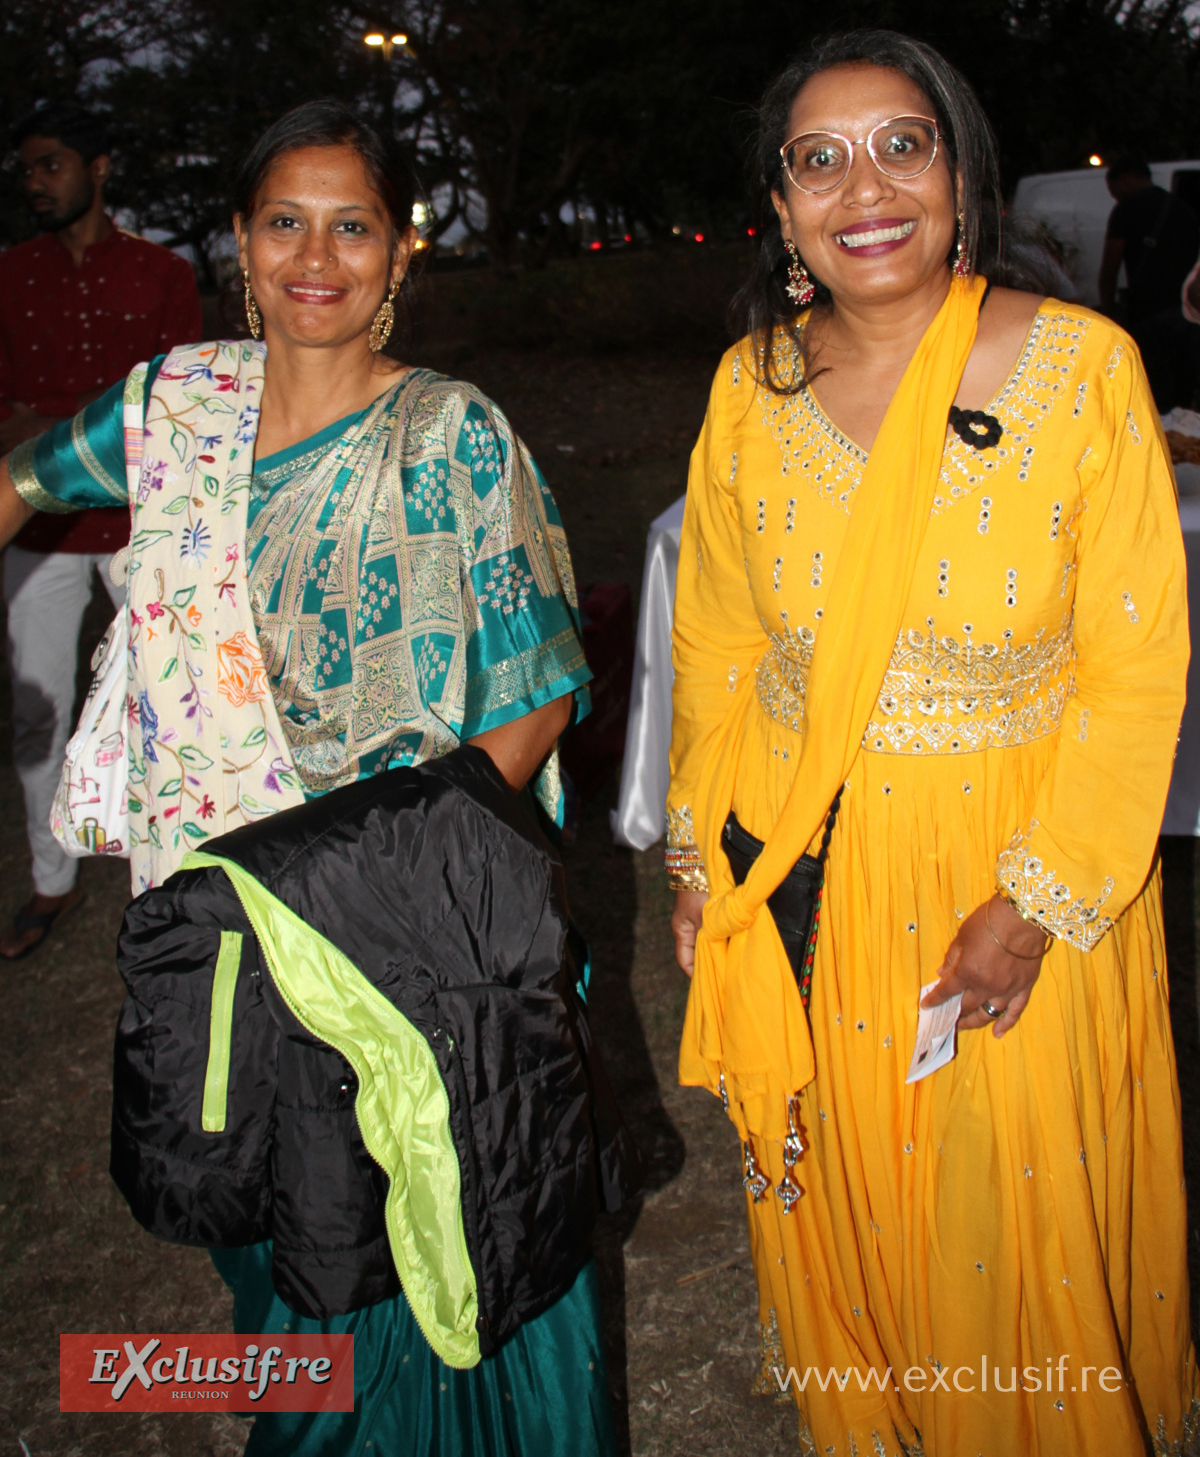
(80, 462)
(526, 649)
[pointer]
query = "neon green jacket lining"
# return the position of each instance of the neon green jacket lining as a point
(401, 1106)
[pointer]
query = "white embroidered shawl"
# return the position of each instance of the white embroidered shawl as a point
(206, 749)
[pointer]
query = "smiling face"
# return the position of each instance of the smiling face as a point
(871, 238)
(320, 247)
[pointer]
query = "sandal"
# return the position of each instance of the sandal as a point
(26, 920)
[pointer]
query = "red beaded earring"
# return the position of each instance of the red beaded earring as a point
(800, 288)
(962, 269)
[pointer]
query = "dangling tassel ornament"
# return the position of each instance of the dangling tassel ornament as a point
(800, 288)
(793, 1146)
(756, 1181)
(962, 269)
(381, 325)
(253, 317)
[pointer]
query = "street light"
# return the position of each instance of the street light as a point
(1095, 160)
(379, 40)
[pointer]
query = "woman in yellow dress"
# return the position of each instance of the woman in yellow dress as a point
(974, 626)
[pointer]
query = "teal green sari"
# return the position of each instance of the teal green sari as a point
(409, 575)
(545, 1392)
(512, 647)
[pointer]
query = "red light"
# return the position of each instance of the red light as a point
(596, 246)
(629, 237)
(699, 237)
(752, 232)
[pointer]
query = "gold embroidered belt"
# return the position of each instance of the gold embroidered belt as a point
(940, 695)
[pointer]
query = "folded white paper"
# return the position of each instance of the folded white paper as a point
(935, 1036)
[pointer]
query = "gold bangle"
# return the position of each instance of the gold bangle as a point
(1018, 955)
(685, 868)
(688, 882)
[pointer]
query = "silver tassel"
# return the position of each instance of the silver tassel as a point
(756, 1181)
(793, 1146)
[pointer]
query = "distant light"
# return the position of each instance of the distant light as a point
(421, 243)
(420, 214)
(374, 39)
(596, 246)
(399, 40)
(752, 232)
(677, 230)
(1095, 160)
(699, 237)
(629, 237)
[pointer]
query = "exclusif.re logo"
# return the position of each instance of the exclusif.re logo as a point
(181, 1372)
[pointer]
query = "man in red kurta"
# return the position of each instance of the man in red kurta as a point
(80, 305)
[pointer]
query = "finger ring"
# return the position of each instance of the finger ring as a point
(992, 1012)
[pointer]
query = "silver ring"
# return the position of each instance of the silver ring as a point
(993, 1012)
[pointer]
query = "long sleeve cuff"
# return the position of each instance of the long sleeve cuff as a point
(685, 865)
(20, 468)
(1041, 897)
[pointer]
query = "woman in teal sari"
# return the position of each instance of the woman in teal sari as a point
(338, 565)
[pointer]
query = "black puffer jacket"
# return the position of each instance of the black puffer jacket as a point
(492, 1133)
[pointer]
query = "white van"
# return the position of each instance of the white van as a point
(1074, 206)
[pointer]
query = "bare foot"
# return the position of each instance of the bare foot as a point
(20, 938)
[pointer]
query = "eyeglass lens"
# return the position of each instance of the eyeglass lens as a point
(903, 147)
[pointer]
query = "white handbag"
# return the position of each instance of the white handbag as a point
(90, 814)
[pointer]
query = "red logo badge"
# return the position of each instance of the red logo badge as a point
(195, 1373)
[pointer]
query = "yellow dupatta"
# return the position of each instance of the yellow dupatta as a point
(744, 1016)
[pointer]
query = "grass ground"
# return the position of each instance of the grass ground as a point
(613, 434)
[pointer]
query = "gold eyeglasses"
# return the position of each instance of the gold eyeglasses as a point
(901, 148)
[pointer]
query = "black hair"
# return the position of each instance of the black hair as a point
(66, 122)
(761, 307)
(1128, 164)
(330, 123)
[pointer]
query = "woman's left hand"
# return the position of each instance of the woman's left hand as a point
(978, 966)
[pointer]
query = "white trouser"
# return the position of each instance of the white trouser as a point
(47, 594)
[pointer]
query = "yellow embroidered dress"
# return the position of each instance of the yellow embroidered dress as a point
(1023, 1208)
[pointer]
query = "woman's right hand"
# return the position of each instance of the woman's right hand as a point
(14, 511)
(685, 922)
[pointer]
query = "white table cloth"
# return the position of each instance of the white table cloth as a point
(640, 817)
(641, 814)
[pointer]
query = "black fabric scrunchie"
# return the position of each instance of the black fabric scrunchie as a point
(976, 428)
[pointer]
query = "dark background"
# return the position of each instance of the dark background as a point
(636, 110)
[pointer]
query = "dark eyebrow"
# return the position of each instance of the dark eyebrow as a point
(342, 207)
(43, 157)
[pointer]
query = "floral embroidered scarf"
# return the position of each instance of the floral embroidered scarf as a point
(206, 749)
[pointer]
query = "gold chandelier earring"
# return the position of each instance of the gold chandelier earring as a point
(962, 266)
(799, 287)
(384, 320)
(253, 317)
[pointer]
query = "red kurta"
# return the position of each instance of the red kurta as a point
(67, 331)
